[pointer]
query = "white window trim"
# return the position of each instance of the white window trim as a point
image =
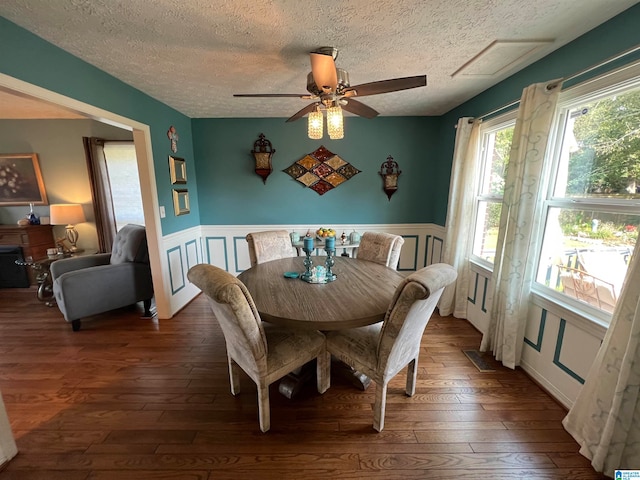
(494, 124)
(616, 81)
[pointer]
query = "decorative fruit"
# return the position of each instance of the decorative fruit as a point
(325, 232)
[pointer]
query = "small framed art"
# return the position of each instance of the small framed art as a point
(177, 170)
(181, 201)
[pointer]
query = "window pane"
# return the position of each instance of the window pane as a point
(585, 254)
(486, 235)
(497, 145)
(600, 155)
(125, 184)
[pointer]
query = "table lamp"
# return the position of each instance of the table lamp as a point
(68, 214)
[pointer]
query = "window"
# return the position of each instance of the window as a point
(125, 184)
(592, 208)
(495, 138)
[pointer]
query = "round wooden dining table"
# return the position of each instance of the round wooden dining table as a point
(359, 296)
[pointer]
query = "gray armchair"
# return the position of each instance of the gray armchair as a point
(92, 284)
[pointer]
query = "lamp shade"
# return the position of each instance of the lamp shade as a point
(66, 214)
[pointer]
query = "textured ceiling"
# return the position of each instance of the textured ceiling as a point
(195, 54)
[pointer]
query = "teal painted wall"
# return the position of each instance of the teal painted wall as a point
(29, 58)
(230, 192)
(619, 34)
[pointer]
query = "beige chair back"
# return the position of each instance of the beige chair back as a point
(411, 308)
(234, 309)
(269, 245)
(382, 248)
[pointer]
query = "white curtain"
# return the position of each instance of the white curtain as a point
(605, 418)
(514, 268)
(459, 223)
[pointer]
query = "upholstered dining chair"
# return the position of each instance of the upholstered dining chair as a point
(382, 248)
(382, 350)
(269, 245)
(265, 352)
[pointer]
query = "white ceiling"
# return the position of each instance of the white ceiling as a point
(195, 54)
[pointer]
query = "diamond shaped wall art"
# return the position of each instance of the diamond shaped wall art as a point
(321, 170)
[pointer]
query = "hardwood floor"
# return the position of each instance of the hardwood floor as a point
(127, 398)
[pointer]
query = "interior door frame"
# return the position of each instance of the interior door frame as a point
(146, 170)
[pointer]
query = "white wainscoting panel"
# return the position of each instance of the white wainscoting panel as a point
(225, 246)
(217, 254)
(182, 250)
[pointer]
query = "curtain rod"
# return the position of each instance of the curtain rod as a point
(572, 77)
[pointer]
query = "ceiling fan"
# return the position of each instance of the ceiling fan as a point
(329, 86)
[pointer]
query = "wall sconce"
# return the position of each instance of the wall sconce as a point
(262, 152)
(389, 171)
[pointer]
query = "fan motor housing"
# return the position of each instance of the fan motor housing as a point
(343, 82)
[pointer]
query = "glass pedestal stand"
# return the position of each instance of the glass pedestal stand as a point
(329, 263)
(318, 274)
(307, 276)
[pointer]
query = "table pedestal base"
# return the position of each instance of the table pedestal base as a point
(291, 385)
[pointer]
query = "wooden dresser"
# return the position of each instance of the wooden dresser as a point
(33, 239)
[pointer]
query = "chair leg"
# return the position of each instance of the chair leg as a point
(234, 376)
(75, 325)
(147, 308)
(379, 406)
(323, 371)
(263, 408)
(412, 372)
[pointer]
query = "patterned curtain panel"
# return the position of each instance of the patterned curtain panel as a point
(459, 224)
(605, 419)
(514, 268)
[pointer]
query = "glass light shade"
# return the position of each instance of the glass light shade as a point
(66, 214)
(335, 125)
(315, 125)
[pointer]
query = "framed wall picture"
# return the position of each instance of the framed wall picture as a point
(181, 201)
(177, 170)
(20, 180)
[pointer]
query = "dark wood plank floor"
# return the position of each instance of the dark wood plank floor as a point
(127, 398)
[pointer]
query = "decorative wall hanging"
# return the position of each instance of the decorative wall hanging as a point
(20, 180)
(173, 137)
(262, 152)
(389, 171)
(177, 170)
(321, 170)
(181, 201)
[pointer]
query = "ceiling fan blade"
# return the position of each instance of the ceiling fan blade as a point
(305, 96)
(324, 72)
(309, 108)
(358, 108)
(386, 86)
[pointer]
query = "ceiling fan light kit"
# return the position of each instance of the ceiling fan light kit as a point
(315, 124)
(335, 123)
(330, 88)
